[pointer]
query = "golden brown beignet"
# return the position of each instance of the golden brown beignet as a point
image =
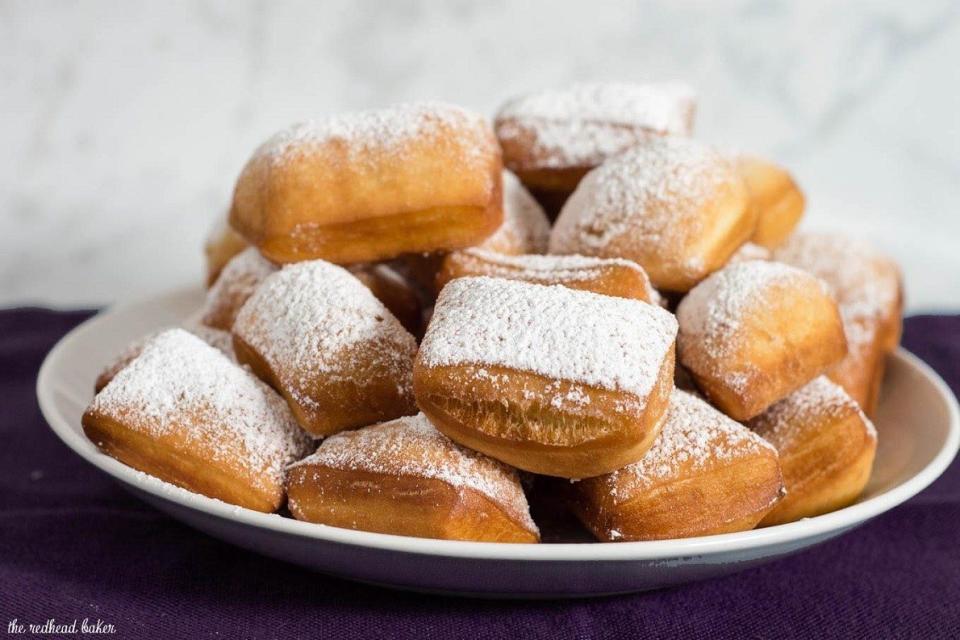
(219, 340)
(777, 198)
(364, 186)
(525, 227)
(755, 331)
(236, 283)
(704, 475)
(609, 276)
(393, 291)
(185, 413)
(868, 288)
(552, 138)
(674, 206)
(324, 341)
(222, 243)
(826, 446)
(406, 478)
(547, 379)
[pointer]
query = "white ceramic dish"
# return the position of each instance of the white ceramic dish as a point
(919, 433)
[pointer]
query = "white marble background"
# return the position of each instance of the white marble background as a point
(124, 124)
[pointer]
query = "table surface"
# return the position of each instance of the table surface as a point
(75, 546)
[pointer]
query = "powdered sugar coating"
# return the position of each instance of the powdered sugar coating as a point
(820, 399)
(610, 343)
(695, 437)
(412, 446)
(235, 284)
(714, 310)
(308, 318)
(865, 283)
(649, 199)
(525, 227)
(582, 125)
(180, 382)
(711, 316)
(220, 340)
(388, 132)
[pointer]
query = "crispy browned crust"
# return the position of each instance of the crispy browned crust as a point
(721, 498)
(826, 460)
(610, 279)
(777, 198)
(327, 405)
(178, 460)
(400, 505)
(514, 416)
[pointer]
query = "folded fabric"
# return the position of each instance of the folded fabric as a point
(74, 546)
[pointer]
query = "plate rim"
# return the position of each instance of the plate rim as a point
(836, 521)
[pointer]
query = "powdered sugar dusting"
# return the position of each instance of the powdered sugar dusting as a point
(865, 284)
(236, 283)
(412, 446)
(711, 315)
(820, 398)
(582, 125)
(389, 131)
(305, 319)
(180, 381)
(525, 227)
(652, 193)
(695, 436)
(220, 340)
(610, 343)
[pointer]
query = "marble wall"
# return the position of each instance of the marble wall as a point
(124, 124)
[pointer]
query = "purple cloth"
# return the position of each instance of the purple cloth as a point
(74, 545)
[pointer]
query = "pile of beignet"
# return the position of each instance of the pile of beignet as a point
(397, 338)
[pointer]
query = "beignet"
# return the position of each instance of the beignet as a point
(756, 331)
(372, 185)
(547, 379)
(525, 227)
(675, 206)
(222, 341)
(406, 478)
(185, 413)
(826, 446)
(236, 283)
(324, 341)
(704, 475)
(868, 288)
(609, 276)
(552, 138)
(776, 197)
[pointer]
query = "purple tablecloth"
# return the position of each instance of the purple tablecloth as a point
(74, 545)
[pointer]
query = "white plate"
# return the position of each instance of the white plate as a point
(919, 434)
